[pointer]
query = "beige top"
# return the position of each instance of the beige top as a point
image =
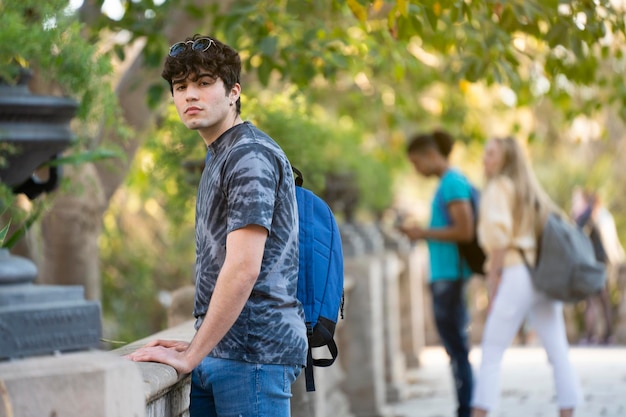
(498, 229)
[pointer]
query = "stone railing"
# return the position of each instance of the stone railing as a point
(95, 383)
(379, 339)
(166, 393)
(387, 322)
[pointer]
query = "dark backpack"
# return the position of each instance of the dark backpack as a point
(471, 251)
(320, 276)
(566, 267)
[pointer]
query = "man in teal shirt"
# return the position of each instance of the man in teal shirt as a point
(451, 222)
(453, 188)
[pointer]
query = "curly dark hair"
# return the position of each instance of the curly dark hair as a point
(219, 60)
(439, 140)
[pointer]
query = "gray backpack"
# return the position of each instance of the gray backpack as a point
(566, 267)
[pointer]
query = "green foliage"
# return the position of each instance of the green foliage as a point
(3, 232)
(319, 144)
(521, 44)
(15, 220)
(45, 39)
(518, 44)
(142, 254)
(339, 84)
(6, 205)
(79, 158)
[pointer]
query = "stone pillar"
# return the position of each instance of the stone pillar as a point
(419, 265)
(328, 399)
(362, 342)
(71, 385)
(411, 291)
(395, 362)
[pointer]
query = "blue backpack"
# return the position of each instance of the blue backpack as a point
(320, 276)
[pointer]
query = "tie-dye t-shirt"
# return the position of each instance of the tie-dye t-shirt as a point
(248, 180)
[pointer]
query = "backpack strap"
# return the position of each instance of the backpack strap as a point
(299, 179)
(325, 335)
(330, 343)
(308, 371)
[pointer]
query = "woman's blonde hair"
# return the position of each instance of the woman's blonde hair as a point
(532, 202)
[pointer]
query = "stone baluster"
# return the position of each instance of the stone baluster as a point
(412, 305)
(362, 342)
(395, 360)
(329, 397)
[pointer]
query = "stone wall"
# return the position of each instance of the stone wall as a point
(165, 393)
(387, 321)
(92, 383)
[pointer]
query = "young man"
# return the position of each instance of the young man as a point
(250, 344)
(451, 222)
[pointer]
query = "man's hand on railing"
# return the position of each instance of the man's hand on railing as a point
(169, 352)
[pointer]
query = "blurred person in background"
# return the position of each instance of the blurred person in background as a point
(512, 209)
(598, 223)
(429, 154)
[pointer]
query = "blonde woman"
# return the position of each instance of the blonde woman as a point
(513, 206)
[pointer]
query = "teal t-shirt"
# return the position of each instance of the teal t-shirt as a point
(444, 255)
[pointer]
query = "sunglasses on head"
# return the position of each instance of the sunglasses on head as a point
(200, 44)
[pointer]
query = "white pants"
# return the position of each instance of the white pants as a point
(515, 299)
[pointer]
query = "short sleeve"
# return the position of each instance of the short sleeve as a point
(251, 187)
(455, 187)
(495, 222)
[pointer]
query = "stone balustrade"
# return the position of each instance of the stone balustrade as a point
(166, 394)
(387, 321)
(90, 383)
(380, 337)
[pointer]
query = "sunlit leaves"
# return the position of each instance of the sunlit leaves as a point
(83, 157)
(475, 40)
(3, 232)
(359, 9)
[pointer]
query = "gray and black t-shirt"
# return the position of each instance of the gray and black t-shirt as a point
(248, 180)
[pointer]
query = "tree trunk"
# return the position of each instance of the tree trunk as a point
(70, 232)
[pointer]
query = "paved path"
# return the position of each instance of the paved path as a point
(527, 384)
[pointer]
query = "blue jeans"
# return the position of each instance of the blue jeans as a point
(228, 388)
(451, 319)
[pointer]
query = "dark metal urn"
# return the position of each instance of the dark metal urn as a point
(33, 130)
(37, 319)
